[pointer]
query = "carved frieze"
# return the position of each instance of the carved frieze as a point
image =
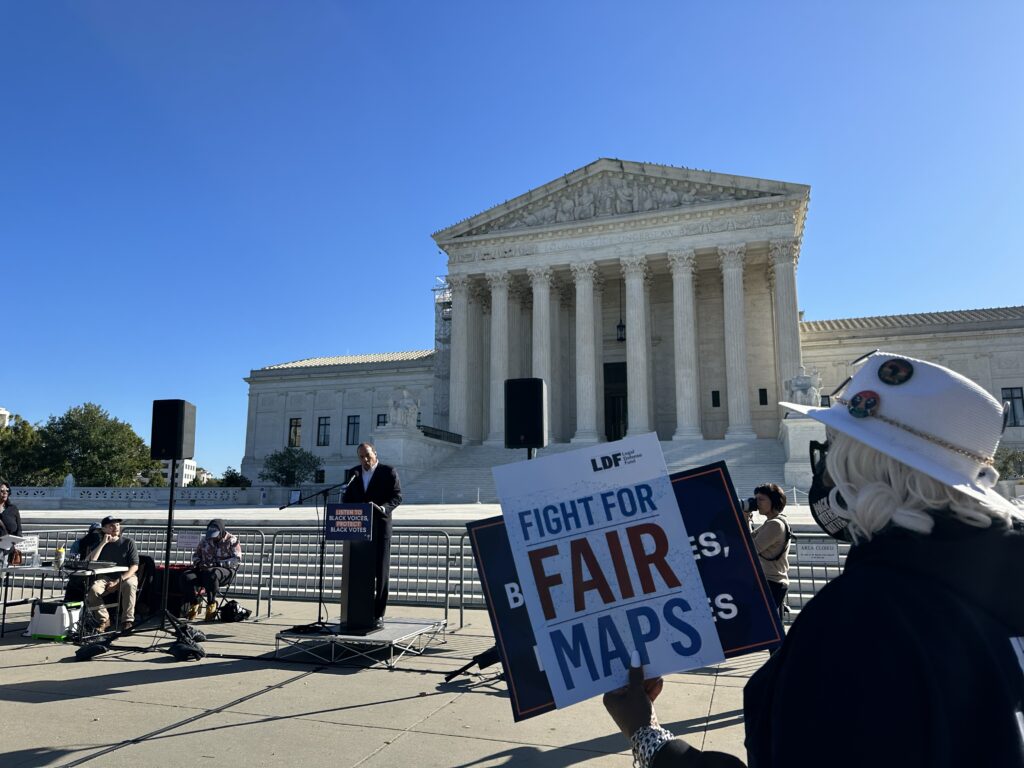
(709, 223)
(614, 194)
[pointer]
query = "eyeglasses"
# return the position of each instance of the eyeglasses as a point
(847, 380)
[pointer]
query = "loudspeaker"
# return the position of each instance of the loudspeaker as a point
(526, 413)
(174, 430)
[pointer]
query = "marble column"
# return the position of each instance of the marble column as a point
(787, 317)
(563, 402)
(737, 388)
(250, 428)
(498, 282)
(458, 379)
(540, 280)
(479, 385)
(599, 354)
(684, 335)
(649, 314)
(309, 422)
(586, 391)
(634, 270)
(515, 331)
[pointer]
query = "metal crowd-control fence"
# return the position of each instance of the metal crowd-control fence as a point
(151, 540)
(420, 569)
(814, 560)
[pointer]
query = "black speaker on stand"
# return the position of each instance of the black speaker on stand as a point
(526, 426)
(174, 438)
(526, 414)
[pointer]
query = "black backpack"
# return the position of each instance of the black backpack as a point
(232, 611)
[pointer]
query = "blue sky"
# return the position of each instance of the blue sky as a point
(189, 191)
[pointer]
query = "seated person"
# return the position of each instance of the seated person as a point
(213, 565)
(120, 550)
(81, 547)
(77, 553)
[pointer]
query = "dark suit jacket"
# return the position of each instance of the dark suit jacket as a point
(10, 520)
(384, 489)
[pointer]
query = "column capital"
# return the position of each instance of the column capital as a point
(540, 276)
(481, 294)
(459, 282)
(520, 293)
(682, 262)
(498, 279)
(784, 251)
(732, 256)
(634, 266)
(584, 271)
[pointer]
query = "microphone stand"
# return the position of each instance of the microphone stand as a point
(319, 627)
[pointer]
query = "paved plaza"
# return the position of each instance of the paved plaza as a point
(241, 707)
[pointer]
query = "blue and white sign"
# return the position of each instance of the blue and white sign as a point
(592, 535)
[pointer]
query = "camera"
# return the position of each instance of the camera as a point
(748, 506)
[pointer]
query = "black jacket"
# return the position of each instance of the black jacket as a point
(384, 490)
(10, 519)
(903, 660)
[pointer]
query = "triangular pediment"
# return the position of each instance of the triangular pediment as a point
(615, 188)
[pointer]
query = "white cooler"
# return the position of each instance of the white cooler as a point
(53, 621)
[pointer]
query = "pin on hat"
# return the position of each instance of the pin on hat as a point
(921, 414)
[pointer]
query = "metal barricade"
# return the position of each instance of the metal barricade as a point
(151, 540)
(814, 560)
(419, 573)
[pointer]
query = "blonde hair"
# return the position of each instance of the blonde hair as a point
(879, 491)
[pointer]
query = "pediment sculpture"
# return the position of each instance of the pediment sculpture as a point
(614, 194)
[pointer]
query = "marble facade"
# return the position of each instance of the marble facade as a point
(699, 268)
(705, 265)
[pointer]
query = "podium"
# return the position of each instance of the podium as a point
(352, 524)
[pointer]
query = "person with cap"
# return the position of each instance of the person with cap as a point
(82, 547)
(377, 484)
(214, 564)
(913, 656)
(120, 550)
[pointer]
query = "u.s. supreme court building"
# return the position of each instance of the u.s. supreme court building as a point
(648, 298)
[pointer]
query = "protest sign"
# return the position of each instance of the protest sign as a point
(745, 617)
(590, 533)
(348, 522)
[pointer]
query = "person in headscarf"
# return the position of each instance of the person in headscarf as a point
(214, 564)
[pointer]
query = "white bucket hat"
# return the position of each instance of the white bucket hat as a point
(928, 417)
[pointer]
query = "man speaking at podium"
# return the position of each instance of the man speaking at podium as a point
(377, 484)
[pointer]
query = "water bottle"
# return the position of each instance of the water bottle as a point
(36, 562)
(58, 560)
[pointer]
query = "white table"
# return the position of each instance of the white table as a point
(21, 570)
(43, 572)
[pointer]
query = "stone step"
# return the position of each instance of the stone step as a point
(466, 476)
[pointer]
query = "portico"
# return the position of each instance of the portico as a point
(706, 267)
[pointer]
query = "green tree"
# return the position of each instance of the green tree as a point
(154, 476)
(1009, 463)
(290, 466)
(21, 460)
(232, 478)
(97, 449)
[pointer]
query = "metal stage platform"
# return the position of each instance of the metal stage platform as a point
(397, 638)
